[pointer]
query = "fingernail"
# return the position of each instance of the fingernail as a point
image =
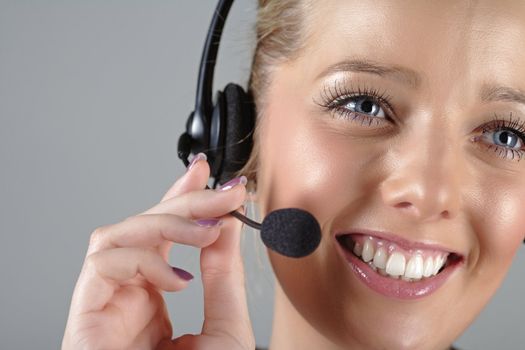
(233, 182)
(185, 275)
(208, 222)
(198, 157)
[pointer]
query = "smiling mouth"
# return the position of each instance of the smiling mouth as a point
(391, 261)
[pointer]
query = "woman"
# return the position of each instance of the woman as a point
(400, 125)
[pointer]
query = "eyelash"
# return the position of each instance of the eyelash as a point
(514, 126)
(336, 96)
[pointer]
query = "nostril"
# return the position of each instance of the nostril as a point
(409, 208)
(403, 205)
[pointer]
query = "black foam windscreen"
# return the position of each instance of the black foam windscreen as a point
(291, 232)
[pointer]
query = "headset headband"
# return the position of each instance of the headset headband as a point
(196, 136)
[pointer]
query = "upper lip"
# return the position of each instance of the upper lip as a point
(400, 241)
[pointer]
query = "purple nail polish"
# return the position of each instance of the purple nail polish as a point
(208, 222)
(185, 275)
(233, 182)
(198, 157)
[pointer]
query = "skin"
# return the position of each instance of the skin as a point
(117, 302)
(418, 174)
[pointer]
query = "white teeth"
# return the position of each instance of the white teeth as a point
(368, 251)
(438, 263)
(414, 267)
(428, 269)
(380, 258)
(358, 248)
(395, 265)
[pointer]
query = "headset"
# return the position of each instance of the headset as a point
(223, 128)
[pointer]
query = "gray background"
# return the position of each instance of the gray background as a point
(93, 96)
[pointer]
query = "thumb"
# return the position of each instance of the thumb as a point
(225, 305)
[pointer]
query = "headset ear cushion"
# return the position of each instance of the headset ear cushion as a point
(240, 124)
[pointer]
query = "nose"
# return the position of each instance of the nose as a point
(425, 183)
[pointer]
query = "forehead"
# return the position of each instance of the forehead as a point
(471, 40)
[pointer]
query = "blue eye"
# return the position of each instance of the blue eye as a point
(360, 103)
(502, 137)
(505, 137)
(363, 104)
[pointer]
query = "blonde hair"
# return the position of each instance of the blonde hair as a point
(280, 36)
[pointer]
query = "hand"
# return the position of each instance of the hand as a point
(117, 302)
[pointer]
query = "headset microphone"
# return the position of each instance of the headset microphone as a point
(223, 130)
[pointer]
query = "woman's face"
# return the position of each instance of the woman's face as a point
(402, 118)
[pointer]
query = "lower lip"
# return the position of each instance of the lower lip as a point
(395, 288)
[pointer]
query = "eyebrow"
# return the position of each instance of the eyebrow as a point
(413, 78)
(402, 74)
(489, 93)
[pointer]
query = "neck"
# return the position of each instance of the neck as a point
(290, 330)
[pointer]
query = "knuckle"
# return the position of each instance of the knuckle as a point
(146, 256)
(98, 234)
(91, 261)
(161, 223)
(212, 272)
(193, 208)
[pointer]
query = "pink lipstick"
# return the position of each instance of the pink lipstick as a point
(392, 287)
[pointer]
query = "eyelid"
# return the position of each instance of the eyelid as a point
(383, 102)
(498, 123)
(335, 92)
(335, 97)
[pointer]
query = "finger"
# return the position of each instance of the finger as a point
(132, 308)
(151, 230)
(106, 270)
(211, 208)
(149, 330)
(204, 203)
(152, 335)
(195, 178)
(222, 270)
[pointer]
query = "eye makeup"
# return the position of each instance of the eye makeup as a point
(341, 98)
(336, 96)
(506, 129)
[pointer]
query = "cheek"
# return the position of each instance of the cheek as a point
(499, 227)
(295, 167)
(303, 164)
(306, 163)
